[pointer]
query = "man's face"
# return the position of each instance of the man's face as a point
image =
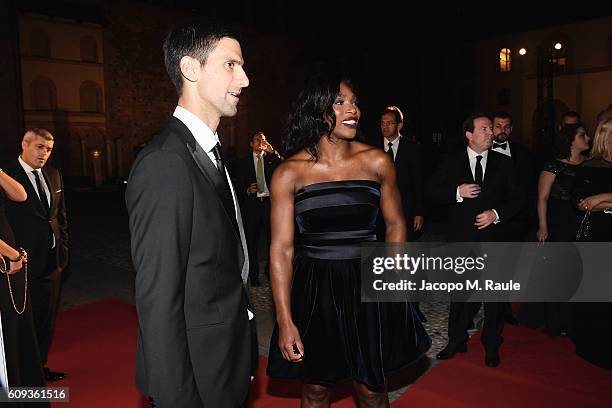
(389, 126)
(258, 142)
(36, 152)
(502, 128)
(222, 78)
(482, 137)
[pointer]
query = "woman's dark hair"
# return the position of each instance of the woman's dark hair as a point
(563, 140)
(311, 114)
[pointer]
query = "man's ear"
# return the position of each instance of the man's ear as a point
(190, 68)
(400, 126)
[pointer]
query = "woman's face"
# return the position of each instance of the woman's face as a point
(347, 114)
(581, 140)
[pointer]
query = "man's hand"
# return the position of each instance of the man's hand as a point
(252, 188)
(266, 146)
(485, 218)
(418, 222)
(469, 190)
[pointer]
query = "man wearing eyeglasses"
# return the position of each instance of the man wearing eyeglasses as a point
(407, 157)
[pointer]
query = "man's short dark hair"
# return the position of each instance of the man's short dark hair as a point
(252, 135)
(502, 115)
(197, 39)
(570, 114)
(468, 124)
(396, 112)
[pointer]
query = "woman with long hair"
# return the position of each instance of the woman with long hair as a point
(325, 200)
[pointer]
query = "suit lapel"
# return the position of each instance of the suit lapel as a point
(52, 188)
(208, 169)
(33, 199)
(400, 152)
(467, 170)
(491, 171)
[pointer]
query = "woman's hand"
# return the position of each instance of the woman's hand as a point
(542, 234)
(15, 266)
(290, 342)
(591, 201)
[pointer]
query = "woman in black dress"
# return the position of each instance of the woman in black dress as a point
(593, 321)
(24, 368)
(326, 197)
(557, 219)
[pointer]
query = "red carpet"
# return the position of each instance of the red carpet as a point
(95, 344)
(535, 371)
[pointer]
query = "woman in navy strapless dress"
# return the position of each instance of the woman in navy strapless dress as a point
(325, 200)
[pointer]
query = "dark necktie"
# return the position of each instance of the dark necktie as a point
(500, 145)
(42, 194)
(221, 169)
(478, 170)
(390, 151)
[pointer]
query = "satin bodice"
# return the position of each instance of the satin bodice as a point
(333, 218)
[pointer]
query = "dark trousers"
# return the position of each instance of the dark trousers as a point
(462, 313)
(45, 294)
(256, 220)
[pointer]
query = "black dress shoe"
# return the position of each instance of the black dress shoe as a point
(450, 350)
(492, 356)
(54, 375)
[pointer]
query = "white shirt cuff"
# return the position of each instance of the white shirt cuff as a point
(250, 314)
(458, 197)
(496, 216)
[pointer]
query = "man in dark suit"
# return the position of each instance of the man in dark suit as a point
(41, 227)
(522, 227)
(481, 191)
(406, 155)
(195, 346)
(254, 173)
(525, 168)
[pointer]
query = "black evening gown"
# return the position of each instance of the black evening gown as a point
(562, 220)
(343, 337)
(24, 368)
(592, 321)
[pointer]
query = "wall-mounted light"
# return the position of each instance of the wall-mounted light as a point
(523, 51)
(558, 46)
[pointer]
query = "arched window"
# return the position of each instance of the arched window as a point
(39, 44)
(43, 92)
(89, 49)
(91, 97)
(505, 60)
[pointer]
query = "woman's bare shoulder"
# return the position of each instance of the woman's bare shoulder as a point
(291, 170)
